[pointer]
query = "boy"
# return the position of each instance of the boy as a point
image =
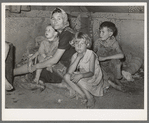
(110, 54)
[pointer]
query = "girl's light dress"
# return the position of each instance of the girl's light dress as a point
(93, 84)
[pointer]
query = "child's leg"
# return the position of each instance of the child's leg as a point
(38, 71)
(115, 67)
(37, 76)
(90, 98)
(74, 86)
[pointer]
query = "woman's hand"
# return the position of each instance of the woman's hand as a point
(76, 77)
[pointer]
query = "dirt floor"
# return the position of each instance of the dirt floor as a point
(55, 98)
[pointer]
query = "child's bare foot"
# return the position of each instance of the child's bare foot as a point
(40, 82)
(72, 94)
(36, 81)
(8, 86)
(90, 103)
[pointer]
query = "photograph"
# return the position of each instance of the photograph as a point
(93, 68)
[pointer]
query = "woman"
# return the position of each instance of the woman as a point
(59, 21)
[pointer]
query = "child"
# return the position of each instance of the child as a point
(110, 53)
(46, 50)
(84, 74)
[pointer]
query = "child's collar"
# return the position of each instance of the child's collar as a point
(109, 41)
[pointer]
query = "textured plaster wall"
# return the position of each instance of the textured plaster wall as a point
(22, 32)
(22, 29)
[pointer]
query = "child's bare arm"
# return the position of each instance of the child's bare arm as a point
(91, 67)
(119, 54)
(74, 64)
(76, 77)
(34, 56)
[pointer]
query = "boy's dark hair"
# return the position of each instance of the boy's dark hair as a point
(109, 25)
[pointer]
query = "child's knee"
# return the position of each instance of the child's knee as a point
(67, 76)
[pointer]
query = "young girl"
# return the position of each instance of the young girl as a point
(84, 74)
(46, 50)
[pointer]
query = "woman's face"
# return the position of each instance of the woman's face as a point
(57, 21)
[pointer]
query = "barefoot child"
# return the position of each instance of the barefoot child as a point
(46, 50)
(84, 74)
(109, 53)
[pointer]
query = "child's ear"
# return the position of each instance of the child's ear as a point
(56, 33)
(110, 33)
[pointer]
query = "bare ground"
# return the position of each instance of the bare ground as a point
(55, 98)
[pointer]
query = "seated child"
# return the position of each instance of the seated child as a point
(110, 54)
(46, 50)
(84, 74)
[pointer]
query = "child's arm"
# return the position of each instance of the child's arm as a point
(74, 63)
(76, 77)
(34, 56)
(119, 54)
(41, 50)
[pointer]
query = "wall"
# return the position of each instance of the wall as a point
(22, 29)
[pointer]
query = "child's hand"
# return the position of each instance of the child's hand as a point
(76, 77)
(31, 59)
(101, 58)
(49, 69)
(33, 68)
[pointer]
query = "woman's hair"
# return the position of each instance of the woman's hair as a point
(110, 26)
(64, 15)
(81, 35)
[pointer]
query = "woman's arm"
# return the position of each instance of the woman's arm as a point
(50, 62)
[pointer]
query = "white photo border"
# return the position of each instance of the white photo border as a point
(59, 114)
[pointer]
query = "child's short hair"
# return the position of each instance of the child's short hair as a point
(81, 35)
(110, 26)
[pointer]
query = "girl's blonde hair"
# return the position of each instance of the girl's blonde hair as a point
(64, 15)
(81, 35)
